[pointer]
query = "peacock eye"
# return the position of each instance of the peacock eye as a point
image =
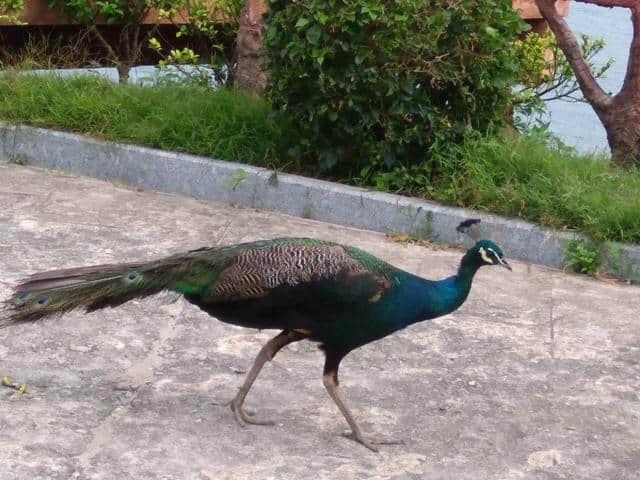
(486, 256)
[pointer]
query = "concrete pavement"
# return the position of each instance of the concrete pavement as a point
(537, 376)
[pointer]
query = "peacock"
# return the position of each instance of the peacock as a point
(338, 296)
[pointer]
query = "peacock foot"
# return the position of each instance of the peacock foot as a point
(20, 388)
(371, 442)
(243, 417)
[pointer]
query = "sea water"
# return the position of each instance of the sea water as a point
(576, 123)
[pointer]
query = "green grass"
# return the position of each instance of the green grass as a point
(528, 177)
(546, 182)
(225, 124)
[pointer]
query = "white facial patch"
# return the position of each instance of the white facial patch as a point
(485, 257)
(496, 255)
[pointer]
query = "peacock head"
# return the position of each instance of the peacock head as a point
(485, 252)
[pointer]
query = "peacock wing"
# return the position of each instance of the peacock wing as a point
(327, 271)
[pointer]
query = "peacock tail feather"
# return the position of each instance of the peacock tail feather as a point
(220, 274)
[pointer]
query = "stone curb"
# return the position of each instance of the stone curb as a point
(231, 182)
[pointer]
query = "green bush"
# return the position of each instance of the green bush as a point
(386, 83)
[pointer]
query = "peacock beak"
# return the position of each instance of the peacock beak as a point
(503, 263)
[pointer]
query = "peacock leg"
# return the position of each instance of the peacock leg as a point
(266, 353)
(330, 381)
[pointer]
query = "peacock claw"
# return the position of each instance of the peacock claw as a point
(371, 442)
(243, 417)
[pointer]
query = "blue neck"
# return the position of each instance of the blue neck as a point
(429, 299)
(464, 277)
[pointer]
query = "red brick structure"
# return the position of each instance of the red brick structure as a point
(529, 12)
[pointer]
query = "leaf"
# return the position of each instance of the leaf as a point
(314, 34)
(238, 176)
(491, 31)
(321, 17)
(302, 22)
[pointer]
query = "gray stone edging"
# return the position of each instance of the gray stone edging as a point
(232, 182)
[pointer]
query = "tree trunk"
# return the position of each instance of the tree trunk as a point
(123, 72)
(619, 114)
(622, 123)
(249, 75)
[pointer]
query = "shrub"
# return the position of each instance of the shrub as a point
(581, 257)
(387, 83)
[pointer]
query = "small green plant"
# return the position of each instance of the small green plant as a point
(19, 160)
(210, 26)
(272, 181)
(424, 230)
(582, 257)
(308, 209)
(239, 175)
(612, 260)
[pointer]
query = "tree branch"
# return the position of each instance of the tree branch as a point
(110, 51)
(632, 77)
(565, 95)
(137, 44)
(592, 91)
(611, 3)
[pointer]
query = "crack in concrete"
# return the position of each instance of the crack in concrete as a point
(139, 374)
(552, 330)
(142, 372)
(102, 436)
(552, 333)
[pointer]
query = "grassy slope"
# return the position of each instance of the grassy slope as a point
(525, 177)
(225, 125)
(547, 183)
